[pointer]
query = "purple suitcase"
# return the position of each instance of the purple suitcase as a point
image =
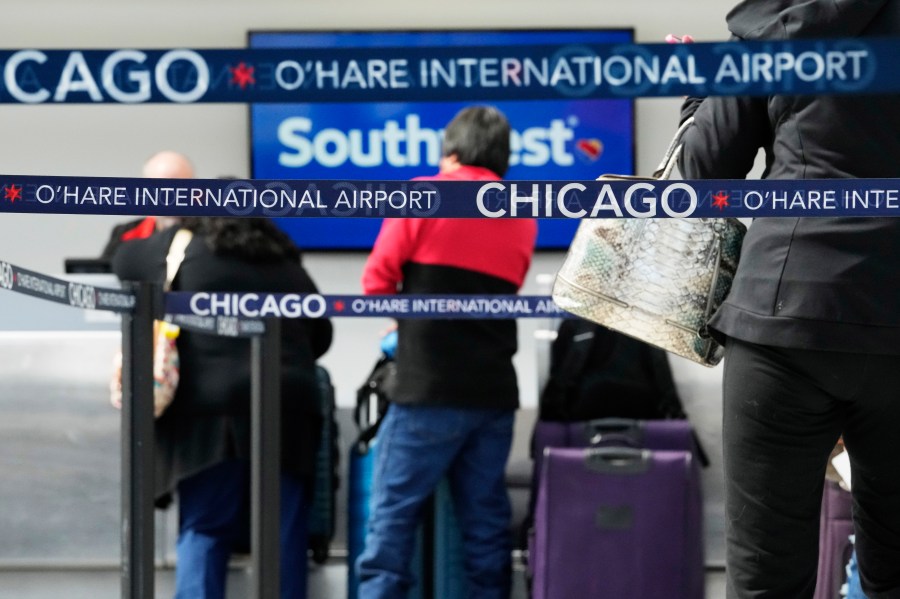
(835, 528)
(617, 522)
(611, 432)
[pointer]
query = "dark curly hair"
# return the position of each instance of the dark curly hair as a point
(254, 239)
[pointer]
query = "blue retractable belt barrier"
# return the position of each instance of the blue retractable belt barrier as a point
(243, 314)
(74, 294)
(491, 73)
(213, 305)
(711, 198)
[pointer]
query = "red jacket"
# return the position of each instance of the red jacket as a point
(463, 363)
(459, 243)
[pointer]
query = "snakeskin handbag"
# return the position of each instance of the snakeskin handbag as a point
(658, 280)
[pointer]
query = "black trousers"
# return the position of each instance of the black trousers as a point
(784, 411)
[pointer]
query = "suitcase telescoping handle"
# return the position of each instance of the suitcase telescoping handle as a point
(617, 460)
(614, 431)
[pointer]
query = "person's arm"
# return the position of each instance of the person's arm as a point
(383, 272)
(725, 137)
(143, 259)
(726, 134)
(113, 243)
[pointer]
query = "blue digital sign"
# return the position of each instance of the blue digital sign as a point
(570, 139)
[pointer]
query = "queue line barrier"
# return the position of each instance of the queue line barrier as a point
(439, 73)
(553, 199)
(258, 315)
(138, 304)
(253, 315)
(843, 66)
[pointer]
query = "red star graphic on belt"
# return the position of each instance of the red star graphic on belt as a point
(720, 200)
(338, 306)
(242, 75)
(12, 192)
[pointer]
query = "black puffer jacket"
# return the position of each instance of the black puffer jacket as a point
(813, 283)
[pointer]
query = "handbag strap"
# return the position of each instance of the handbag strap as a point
(665, 168)
(176, 255)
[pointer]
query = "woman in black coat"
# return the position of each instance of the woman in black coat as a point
(811, 323)
(203, 438)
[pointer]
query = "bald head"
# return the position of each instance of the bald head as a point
(168, 165)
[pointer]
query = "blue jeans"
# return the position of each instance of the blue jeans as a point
(213, 515)
(418, 446)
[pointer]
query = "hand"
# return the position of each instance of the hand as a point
(684, 39)
(389, 343)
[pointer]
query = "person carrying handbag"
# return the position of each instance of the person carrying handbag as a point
(810, 326)
(202, 440)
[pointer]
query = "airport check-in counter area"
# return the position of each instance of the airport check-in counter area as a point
(60, 444)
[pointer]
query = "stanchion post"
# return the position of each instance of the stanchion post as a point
(265, 466)
(137, 444)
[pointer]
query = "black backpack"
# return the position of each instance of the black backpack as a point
(372, 399)
(596, 372)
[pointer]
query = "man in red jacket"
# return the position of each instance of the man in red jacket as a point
(453, 410)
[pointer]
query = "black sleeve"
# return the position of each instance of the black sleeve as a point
(113, 243)
(143, 259)
(115, 237)
(725, 137)
(689, 107)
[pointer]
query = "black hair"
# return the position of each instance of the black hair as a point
(479, 136)
(254, 239)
